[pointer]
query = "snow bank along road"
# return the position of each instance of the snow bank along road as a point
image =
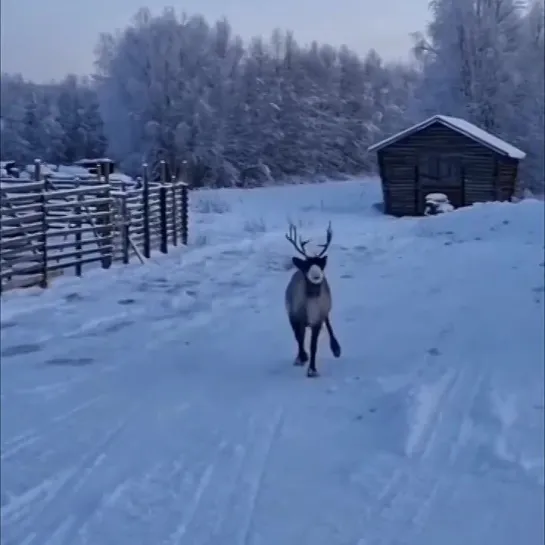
(158, 405)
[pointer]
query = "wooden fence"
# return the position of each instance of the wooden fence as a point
(49, 227)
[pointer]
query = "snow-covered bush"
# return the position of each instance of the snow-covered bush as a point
(211, 204)
(254, 226)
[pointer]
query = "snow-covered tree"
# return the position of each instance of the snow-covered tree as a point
(482, 60)
(528, 121)
(192, 93)
(181, 89)
(13, 112)
(57, 122)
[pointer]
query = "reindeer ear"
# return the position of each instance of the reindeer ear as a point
(299, 263)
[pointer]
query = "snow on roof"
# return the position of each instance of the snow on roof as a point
(72, 171)
(99, 160)
(120, 177)
(461, 126)
(45, 169)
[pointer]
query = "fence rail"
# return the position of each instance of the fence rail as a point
(47, 228)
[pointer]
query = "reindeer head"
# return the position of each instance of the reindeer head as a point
(311, 266)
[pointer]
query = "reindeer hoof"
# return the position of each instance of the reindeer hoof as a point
(300, 360)
(312, 373)
(336, 349)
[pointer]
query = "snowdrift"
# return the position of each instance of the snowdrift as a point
(163, 406)
(522, 220)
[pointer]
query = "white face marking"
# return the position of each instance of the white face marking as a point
(315, 274)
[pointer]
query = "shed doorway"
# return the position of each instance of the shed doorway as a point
(439, 173)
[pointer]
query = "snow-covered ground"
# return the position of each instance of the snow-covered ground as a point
(158, 404)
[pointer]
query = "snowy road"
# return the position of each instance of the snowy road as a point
(161, 408)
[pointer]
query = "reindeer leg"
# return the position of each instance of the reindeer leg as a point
(333, 342)
(314, 335)
(299, 332)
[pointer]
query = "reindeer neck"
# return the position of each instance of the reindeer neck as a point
(312, 290)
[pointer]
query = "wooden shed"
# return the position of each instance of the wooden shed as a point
(445, 155)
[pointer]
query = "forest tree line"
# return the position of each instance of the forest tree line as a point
(181, 89)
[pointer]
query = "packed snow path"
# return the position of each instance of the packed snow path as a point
(158, 405)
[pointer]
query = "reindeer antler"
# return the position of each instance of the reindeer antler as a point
(329, 238)
(291, 236)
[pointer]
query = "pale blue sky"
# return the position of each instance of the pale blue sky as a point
(45, 39)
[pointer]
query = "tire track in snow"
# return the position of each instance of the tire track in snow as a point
(401, 496)
(263, 456)
(15, 445)
(19, 437)
(76, 410)
(49, 510)
(439, 411)
(212, 469)
(448, 439)
(58, 391)
(428, 405)
(229, 489)
(44, 515)
(215, 508)
(19, 505)
(19, 443)
(240, 513)
(86, 469)
(52, 390)
(136, 492)
(178, 534)
(407, 505)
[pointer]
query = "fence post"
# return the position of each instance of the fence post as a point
(108, 219)
(174, 211)
(184, 202)
(78, 236)
(145, 210)
(124, 228)
(43, 201)
(163, 209)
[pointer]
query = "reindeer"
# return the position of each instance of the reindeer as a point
(308, 300)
